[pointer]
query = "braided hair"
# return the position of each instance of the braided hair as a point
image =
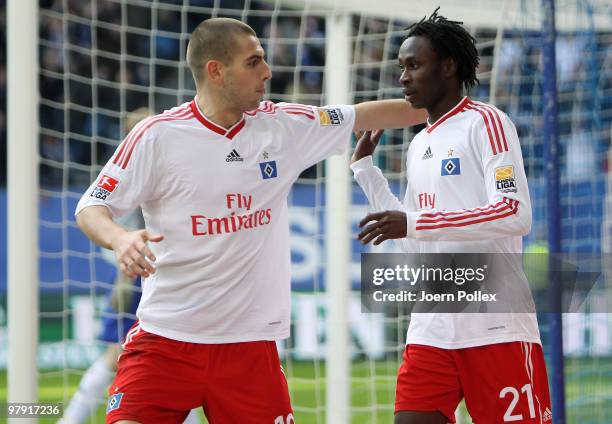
(450, 39)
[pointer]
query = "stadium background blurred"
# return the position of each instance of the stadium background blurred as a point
(101, 59)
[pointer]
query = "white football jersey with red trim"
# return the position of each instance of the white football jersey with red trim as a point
(219, 197)
(466, 193)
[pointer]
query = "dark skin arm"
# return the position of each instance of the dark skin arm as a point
(385, 225)
(367, 141)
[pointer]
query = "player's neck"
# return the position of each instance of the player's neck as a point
(443, 106)
(217, 111)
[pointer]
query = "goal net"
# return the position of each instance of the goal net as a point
(102, 59)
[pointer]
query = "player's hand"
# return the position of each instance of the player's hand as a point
(133, 255)
(366, 144)
(387, 225)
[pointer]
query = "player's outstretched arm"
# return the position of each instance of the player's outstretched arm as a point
(133, 255)
(395, 113)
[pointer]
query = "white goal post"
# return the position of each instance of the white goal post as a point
(337, 236)
(22, 117)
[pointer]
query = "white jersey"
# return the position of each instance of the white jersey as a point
(466, 193)
(219, 197)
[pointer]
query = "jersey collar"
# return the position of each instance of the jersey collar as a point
(228, 133)
(460, 107)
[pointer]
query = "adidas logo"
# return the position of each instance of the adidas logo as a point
(234, 157)
(428, 154)
(547, 415)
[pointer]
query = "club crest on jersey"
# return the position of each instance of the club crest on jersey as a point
(330, 116)
(504, 179)
(114, 402)
(105, 186)
(450, 166)
(268, 169)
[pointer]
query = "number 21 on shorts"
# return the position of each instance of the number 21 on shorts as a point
(515, 396)
(281, 420)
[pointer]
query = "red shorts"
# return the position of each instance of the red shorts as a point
(160, 380)
(501, 383)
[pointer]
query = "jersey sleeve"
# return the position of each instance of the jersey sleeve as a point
(317, 132)
(508, 211)
(129, 177)
(376, 188)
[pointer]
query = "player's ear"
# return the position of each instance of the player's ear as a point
(449, 67)
(214, 71)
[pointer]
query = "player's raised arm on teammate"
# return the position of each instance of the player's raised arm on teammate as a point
(133, 255)
(395, 113)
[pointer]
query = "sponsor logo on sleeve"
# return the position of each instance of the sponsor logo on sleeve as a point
(504, 179)
(105, 186)
(329, 117)
(114, 402)
(268, 169)
(450, 166)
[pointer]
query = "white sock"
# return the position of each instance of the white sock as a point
(192, 418)
(90, 394)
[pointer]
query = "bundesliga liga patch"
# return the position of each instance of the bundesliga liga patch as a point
(504, 179)
(329, 117)
(106, 185)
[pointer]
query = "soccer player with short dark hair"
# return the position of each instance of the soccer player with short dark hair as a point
(212, 178)
(466, 193)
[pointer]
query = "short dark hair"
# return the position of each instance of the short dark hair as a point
(450, 39)
(214, 39)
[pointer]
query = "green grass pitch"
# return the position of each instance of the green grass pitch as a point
(588, 390)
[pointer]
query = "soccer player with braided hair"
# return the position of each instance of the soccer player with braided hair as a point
(466, 193)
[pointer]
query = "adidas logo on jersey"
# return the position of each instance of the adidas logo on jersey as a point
(428, 154)
(547, 415)
(233, 157)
